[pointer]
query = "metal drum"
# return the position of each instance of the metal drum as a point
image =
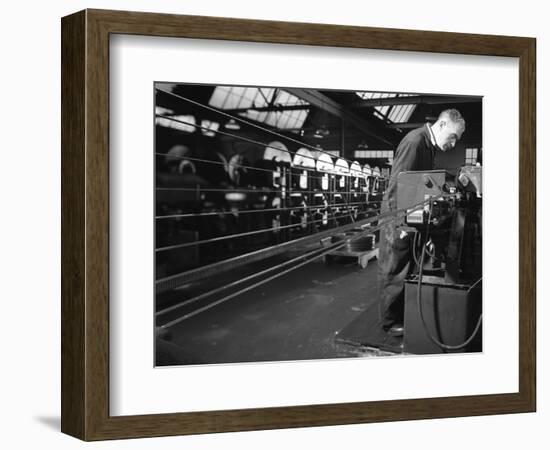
(356, 174)
(270, 169)
(341, 169)
(367, 174)
(323, 177)
(355, 196)
(376, 174)
(325, 169)
(302, 164)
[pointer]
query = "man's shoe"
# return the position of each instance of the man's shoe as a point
(396, 330)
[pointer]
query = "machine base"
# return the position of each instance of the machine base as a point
(450, 311)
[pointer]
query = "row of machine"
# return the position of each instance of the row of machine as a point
(216, 206)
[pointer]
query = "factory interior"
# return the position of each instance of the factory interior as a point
(268, 217)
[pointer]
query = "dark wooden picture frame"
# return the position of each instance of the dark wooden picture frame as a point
(85, 224)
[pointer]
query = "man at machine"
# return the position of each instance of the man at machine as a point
(415, 152)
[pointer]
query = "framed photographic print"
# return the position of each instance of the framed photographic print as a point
(270, 224)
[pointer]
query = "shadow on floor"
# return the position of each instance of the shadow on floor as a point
(52, 422)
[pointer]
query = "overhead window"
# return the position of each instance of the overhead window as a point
(185, 123)
(236, 97)
(369, 154)
(255, 101)
(391, 113)
(401, 113)
(383, 110)
(471, 156)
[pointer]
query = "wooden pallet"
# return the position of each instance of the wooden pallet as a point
(362, 258)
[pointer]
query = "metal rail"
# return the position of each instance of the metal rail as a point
(325, 251)
(246, 211)
(241, 280)
(236, 235)
(256, 191)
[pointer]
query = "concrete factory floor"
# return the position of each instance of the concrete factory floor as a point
(294, 317)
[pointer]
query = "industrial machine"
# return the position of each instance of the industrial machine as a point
(443, 292)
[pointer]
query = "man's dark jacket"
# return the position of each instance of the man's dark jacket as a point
(414, 152)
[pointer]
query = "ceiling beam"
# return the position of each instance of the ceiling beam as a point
(268, 108)
(403, 125)
(415, 100)
(327, 104)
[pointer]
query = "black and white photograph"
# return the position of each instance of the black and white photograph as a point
(245, 225)
(305, 224)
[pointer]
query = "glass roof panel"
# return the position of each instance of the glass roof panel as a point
(382, 109)
(252, 97)
(394, 113)
(401, 113)
(373, 95)
(233, 97)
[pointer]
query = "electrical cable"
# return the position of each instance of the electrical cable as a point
(415, 245)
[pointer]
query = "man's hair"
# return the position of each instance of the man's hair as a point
(453, 115)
